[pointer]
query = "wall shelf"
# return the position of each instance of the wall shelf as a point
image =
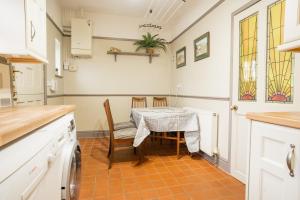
(133, 54)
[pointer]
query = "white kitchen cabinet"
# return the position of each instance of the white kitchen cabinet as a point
(291, 27)
(23, 34)
(270, 175)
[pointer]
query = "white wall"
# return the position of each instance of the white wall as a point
(55, 100)
(187, 15)
(101, 75)
(209, 77)
(53, 33)
(115, 26)
(54, 10)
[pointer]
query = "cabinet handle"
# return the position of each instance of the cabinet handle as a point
(290, 158)
(32, 30)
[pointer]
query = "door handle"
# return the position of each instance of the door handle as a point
(290, 160)
(234, 108)
(17, 71)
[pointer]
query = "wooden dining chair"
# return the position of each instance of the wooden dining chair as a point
(139, 102)
(117, 137)
(160, 102)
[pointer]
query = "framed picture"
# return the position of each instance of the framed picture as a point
(181, 57)
(201, 47)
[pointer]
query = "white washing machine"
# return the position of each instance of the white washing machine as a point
(71, 170)
(51, 187)
(33, 167)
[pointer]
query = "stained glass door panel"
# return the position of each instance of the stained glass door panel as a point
(279, 86)
(248, 55)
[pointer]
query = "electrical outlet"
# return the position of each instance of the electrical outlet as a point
(66, 65)
(72, 68)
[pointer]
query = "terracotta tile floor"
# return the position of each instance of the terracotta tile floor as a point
(160, 177)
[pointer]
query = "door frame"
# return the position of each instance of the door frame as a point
(236, 12)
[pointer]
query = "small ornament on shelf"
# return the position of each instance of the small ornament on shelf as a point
(114, 50)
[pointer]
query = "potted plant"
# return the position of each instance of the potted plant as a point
(151, 42)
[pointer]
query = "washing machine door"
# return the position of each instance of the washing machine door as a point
(71, 173)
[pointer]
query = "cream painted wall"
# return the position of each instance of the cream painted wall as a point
(53, 33)
(118, 26)
(102, 75)
(209, 77)
(54, 10)
(115, 26)
(55, 101)
(186, 16)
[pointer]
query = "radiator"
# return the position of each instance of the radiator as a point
(208, 124)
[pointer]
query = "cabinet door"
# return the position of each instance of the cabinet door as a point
(32, 23)
(269, 176)
(292, 21)
(36, 27)
(42, 29)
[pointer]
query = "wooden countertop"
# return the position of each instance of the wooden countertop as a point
(16, 122)
(289, 119)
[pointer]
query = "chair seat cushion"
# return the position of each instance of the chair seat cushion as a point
(126, 133)
(122, 125)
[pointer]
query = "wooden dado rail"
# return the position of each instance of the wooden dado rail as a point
(147, 95)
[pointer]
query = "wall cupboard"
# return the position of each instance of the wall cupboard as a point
(23, 34)
(292, 27)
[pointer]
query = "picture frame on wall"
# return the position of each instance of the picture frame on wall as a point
(202, 47)
(181, 57)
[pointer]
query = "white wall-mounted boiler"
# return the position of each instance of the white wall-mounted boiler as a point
(81, 37)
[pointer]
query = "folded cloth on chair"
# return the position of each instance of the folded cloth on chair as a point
(122, 125)
(126, 133)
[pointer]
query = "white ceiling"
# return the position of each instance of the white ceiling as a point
(174, 15)
(163, 10)
(134, 8)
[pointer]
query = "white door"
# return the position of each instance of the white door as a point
(249, 93)
(271, 178)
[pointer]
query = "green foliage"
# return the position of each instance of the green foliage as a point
(150, 41)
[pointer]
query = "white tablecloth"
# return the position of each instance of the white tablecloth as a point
(167, 119)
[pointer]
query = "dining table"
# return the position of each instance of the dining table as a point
(167, 119)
